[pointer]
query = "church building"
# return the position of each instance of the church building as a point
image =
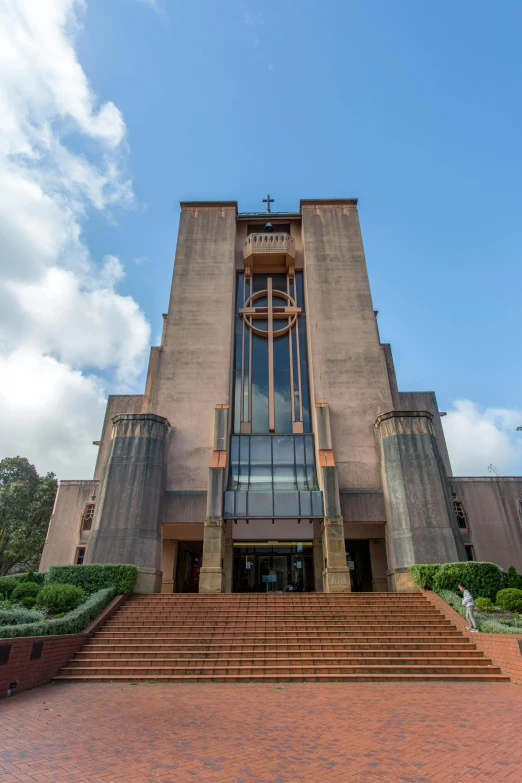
(272, 449)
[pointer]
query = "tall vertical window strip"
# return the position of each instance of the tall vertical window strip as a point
(270, 357)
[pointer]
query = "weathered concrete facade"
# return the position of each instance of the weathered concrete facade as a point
(380, 494)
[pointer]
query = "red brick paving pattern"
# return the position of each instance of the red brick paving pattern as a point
(262, 733)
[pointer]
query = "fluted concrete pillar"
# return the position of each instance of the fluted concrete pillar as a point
(420, 523)
(127, 522)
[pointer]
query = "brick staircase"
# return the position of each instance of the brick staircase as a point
(281, 637)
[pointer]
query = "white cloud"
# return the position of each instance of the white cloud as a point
(49, 413)
(478, 438)
(61, 317)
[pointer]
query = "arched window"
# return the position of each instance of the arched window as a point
(462, 519)
(86, 525)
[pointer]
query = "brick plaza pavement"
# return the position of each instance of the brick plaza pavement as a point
(262, 733)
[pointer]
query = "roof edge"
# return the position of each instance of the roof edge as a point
(312, 202)
(208, 204)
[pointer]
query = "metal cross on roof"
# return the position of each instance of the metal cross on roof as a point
(267, 201)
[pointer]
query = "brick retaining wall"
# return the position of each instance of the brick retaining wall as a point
(504, 649)
(32, 660)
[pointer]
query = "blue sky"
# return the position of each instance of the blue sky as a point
(412, 107)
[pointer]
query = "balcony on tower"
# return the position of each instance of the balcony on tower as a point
(269, 249)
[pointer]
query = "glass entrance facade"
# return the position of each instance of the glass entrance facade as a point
(273, 567)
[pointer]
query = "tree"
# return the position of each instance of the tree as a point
(26, 504)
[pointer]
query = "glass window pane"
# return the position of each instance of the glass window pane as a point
(284, 478)
(239, 291)
(239, 342)
(259, 384)
(260, 504)
(229, 504)
(261, 323)
(241, 498)
(259, 283)
(260, 478)
(237, 400)
(301, 477)
(244, 449)
(283, 449)
(261, 450)
(286, 504)
(278, 282)
(278, 301)
(297, 411)
(281, 350)
(282, 401)
(305, 500)
(299, 287)
(304, 374)
(317, 504)
(261, 302)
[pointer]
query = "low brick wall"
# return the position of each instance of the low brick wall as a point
(504, 649)
(32, 660)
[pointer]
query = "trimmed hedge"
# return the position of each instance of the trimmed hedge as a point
(7, 585)
(510, 599)
(94, 577)
(423, 575)
(60, 598)
(17, 616)
(484, 580)
(34, 576)
(72, 622)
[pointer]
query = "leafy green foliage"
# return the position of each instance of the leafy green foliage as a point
(28, 602)
(482, 579)
(72, 622)
(17, 616)
(424, 574)
(514, 580)
(94, 577)
(510, 599)
(26, 503)
(484, 604)
(7, 585)
(486, 623)
(25, 590)
(36, 576)
(60, 598)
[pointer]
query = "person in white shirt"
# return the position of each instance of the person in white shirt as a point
(469, 603)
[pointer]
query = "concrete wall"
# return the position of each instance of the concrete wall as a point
(348, 366)
(194, 366)
(492, 505)
(63, 535)
(117, 403)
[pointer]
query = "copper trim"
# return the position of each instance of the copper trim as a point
(326, 458)
(218, 459)
(292, 400)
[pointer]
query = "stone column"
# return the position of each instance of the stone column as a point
(212, 573)
(127, 522)
(336, 576)
(421, 525)
(318, 556)
(168, 565)
(229, 556)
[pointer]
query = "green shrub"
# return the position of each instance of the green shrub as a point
(17, 616)
(514, 580)
(482, 579)
(35, 576)
(95, 577)
(25, 590)
(510, 599)
(423, 575)
(60, 598)
(7, 585)
(28, 602)
(484, 604)
(72, 622)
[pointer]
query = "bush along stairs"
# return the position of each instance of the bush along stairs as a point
(279, 637)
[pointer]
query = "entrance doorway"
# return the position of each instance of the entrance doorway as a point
(190, 555)
(277, 567)
(360, 565)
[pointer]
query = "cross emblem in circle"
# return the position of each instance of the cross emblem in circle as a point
(287, 313)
